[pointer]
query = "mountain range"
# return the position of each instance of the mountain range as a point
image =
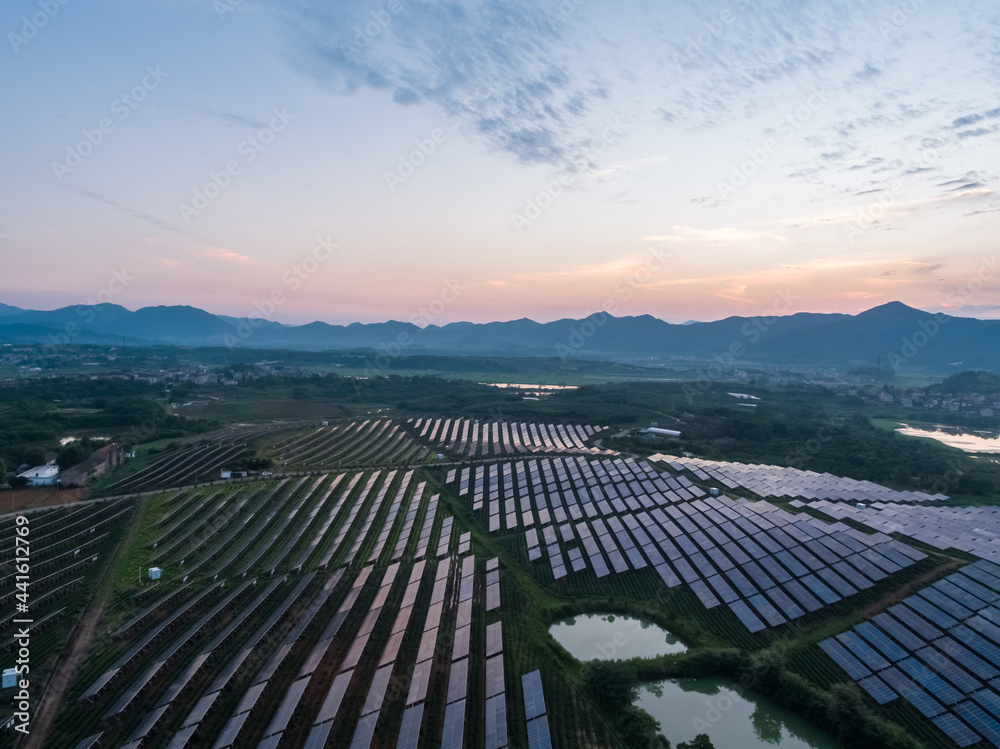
(892, 335)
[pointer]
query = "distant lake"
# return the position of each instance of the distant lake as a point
(971, 443)
(612, 636)
(733, 718)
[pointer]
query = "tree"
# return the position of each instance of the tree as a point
(34, 456)
(701, 741)
(614, 684)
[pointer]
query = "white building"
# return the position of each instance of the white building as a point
(41, 475)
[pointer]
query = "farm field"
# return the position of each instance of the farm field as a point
(372, 598)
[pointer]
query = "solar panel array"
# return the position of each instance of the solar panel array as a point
(475, 439)
(975, 530)
(779, 481)
(763, 563)
(939, 650)
(417, 693)
(458, 678)
(535, 712)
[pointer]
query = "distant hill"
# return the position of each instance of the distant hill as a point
(892, 336)
(969, 382)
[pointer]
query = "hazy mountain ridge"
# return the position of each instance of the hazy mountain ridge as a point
(892, 334)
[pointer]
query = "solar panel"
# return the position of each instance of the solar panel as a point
(668, 575)
(791, 563)
(931, 681)
(901, 634)
(945, 651)
(803, 596)
(723, 589)
(851, 665)
(496, 722)
(409, 731)
(980, 721)
(784, 602)
(820, 589)
(852, 575)
(949, 597)
(494, 675)
(538, 733)
(775, 570)
(930, 611)
(534, 700)
(708, 600)
(977, 643)
(882, 642)
(764, 607)
(878, 689)
(862, 651)
(917, 623)
(454, 726)
(748, 618)
(956, 730)
(911, 692)
(988, 699)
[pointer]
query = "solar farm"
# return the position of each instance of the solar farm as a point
(376, 596)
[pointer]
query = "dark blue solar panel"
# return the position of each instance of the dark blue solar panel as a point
(821, 551)
(862, 651)
(982, 577)
(767, 542)
(668, 575)
(878, 689)
(911, 692)
(686, 571)
(956, 730)
(964, 657)
(930, 612)
(946, 604)
(977, 644)
(534, 700)
(636, 558)
(851, 665)
(752, 547)
(743, 585)
(956, 593)
(707, 598)
(836, 582)
(917, 623)
(820, 589)
(759, 577)
(989, 700)
(903, 635)
(868, 569)
(775, 570)
(766, 609)
(931, 681)
(718, 556)
(655, 557)
(738, 555)
(984, 627)
(723, 589)
(538, 733)
(702, 564)
(805, 599)
(785, 603)
(881, 641)
(791, 563)
(851, 574)
(746, 616)
(669, 549)
(835, 546)
(976, 717)
(807, 558)
(970, 585)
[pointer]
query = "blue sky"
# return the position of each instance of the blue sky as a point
(359, 161)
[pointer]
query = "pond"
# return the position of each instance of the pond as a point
(971, 443)
(733, 718)
(610, 636)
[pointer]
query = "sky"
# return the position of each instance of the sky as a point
(482, 160)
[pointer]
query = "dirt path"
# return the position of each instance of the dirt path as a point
(911, 587)
(79, 642)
